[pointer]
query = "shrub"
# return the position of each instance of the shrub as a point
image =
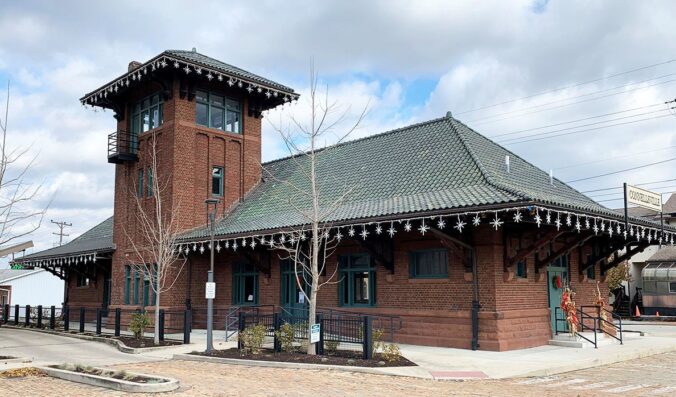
(391, 352)
(330, 346)
(376, 338)
(139, 323)
(286, 337)
(252, 339)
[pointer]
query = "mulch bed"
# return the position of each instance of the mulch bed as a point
(353, 359)
(6, 357)
(21, 373)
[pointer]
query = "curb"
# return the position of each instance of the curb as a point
(109, 341)
(115, 384)
(276, 364)
(15, 360)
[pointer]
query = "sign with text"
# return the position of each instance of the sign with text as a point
(314, 333)
(210, 290)
(644, 198)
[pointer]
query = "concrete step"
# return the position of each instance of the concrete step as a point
(567, 340)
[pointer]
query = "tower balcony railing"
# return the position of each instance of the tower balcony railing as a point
(122, 147)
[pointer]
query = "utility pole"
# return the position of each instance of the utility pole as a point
(61, 226)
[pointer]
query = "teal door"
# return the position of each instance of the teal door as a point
(558, 268)
(293, 300)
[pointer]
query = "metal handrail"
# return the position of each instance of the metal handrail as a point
(601, 321)
(581, 319)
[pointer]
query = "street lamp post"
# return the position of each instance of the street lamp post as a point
(211, 214)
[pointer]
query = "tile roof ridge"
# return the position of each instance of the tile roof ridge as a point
(487, 175)
(358, 140)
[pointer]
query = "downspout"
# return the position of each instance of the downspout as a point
(475, 301)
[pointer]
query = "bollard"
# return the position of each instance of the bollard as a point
(187, 319)
(82, 319)
(66, 318)
(5, 314)
(52, 317)
(39, 316)
(320, 344)
(161, 325)
(367, 338)
(98, 321)
(118, 316)
(27, 321)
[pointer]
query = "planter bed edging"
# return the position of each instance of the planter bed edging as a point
(110, 341)
(279, 364)
(112, 383)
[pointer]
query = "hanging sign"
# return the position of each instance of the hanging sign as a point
(210, 290)
(314, 333)
(644, 198)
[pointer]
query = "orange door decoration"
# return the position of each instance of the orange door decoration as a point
(569, 310)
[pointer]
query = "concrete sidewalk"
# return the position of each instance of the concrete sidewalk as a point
(443, 363)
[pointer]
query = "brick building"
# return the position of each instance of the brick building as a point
(463, 241)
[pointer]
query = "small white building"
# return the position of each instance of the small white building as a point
(30, 287)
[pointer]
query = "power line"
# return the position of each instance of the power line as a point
(622, 198)
(578, 120)
(576, 132)
(620, 171)
(620, 187)
(613, 158)
(61, 234)
(567, 87)
(486, 120)
(587, 125)
(622, 193)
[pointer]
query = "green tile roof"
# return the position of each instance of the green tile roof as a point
(436, 165)
(97, 239)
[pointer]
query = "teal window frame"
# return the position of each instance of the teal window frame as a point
(417, 259)
(217, 181)
(82, 281)
(289, 284)
(149, 177)
(137, 281)
(127, 284)
(591, 270)
(216, 102)
(521, 270)
(242, 272)
(352, 267)
(140, 188)
(151, 107)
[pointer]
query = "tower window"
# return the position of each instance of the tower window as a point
(139, 191)
(216, 111)
(146, 114)
(217, 181)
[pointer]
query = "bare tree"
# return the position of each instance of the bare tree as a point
(153, 239)
(17, 218)
(309, 253)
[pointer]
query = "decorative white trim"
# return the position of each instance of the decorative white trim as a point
(167, 61)
(497, 218)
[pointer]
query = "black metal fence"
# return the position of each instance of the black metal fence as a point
(173, 324)
(347, 331)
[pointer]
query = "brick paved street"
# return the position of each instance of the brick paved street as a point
(651, 376)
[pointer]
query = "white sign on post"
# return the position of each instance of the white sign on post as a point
(644, 198)
(314, 333)
(210, 290)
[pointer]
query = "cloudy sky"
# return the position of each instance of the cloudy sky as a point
(596, 74)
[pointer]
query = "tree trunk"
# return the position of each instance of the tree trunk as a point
(312, 313)
(157, 318)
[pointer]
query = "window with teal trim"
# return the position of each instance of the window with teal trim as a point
(217, 181)
(591, 272)
(521, 269)
(146, 114)
(137, 282)
(139, 191)
(127, 284)
(244, 284)
(150, 182)
(429, 263)
(357, 285)
(217, 111)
